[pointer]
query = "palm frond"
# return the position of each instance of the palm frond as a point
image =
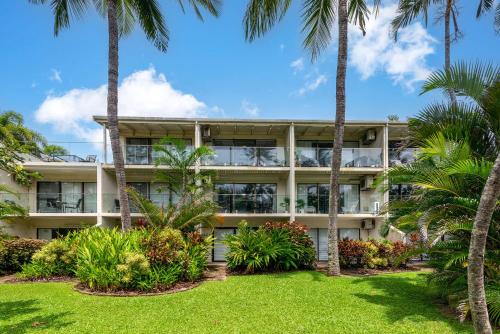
(318, 17)
(465, 79)
(261, 15)
(407, 11)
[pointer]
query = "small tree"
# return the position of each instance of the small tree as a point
(192, 187)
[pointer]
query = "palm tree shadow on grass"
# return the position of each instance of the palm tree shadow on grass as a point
(29, 317)
(404, 298)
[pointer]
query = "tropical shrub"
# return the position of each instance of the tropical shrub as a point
(146, 260)
(371, 254)
(14, 253)
(271, 247)
(57, 258)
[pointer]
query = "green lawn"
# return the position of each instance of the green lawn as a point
(301, 302)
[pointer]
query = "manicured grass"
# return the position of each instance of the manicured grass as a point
(301, 302)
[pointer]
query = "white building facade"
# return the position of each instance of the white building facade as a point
(266, 170)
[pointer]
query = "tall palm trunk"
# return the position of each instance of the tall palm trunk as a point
(447, 44)
(112, 111)
(333, 249)
(475, 269)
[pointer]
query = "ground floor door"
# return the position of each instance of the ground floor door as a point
(219, 248)
(319, 237)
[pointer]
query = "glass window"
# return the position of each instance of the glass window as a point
(348, 233)
(48, 197)
(90, 197)
(159, 194)
(349, 198)
(71, 197)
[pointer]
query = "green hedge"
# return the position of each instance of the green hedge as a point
(16, 252)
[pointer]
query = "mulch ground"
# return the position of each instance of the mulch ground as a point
(179, 287)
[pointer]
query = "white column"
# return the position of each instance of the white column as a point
(291, 176)
(385, 152)
(99, 196)
(197, 135)
(104, 145)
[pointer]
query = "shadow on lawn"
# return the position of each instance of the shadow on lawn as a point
(405, 298)
(19, 310)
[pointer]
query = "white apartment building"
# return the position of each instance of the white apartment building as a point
(267, 170)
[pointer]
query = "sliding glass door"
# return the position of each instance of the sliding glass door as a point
(315, 198)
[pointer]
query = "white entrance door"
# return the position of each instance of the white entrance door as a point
(219, 248)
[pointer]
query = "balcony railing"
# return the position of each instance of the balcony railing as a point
(111, 202)
(143, 154)
(247, 156)
(318, 204)
(351, 157)
(252, 203)
(54, 202)
(401, 157)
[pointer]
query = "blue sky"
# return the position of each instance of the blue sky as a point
(209, 70)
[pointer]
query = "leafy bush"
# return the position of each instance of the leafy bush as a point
(196, 251)
(57, 258)
(370, 254)
(109, 260)
(14, 253)
(273, 246)
(102, 255)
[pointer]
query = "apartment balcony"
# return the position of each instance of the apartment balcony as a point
(399, 157)
(252, 203)
(306, 204)
(143, 154)
(111, 202)
(351, 157)
(54, 203)
(248, 156)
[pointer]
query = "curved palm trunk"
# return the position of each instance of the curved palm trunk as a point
(112, 111)
(475, 270)
(447, 44)
(333, 249)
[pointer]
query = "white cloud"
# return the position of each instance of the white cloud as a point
(249, 108)
(143, 93)
(56, 75)
(312, 85)
(297, 65)
(404, 61)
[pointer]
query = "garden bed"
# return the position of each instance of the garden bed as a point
(178, 287)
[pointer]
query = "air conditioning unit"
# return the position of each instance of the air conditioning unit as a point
(205, 132)
(367, 224)
(369, 137)
(366, 182)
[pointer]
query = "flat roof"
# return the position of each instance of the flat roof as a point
(136, 119)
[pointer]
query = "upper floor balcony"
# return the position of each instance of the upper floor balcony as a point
(351, 157)
(54, 203)
(248, 156)
(143, 154)
(402, 156)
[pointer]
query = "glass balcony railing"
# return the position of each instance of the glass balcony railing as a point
(252, 203)
(142, 154)
(247, 156)
(111, 202)
(351, 157)
(318, 204)
(54, 202)
(401, 157)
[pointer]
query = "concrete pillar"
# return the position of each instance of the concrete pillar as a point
(104, 145)
(99, 195)
(385, 151)
(291, 176)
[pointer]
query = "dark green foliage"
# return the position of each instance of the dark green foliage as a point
(272, 247)
(14, 253)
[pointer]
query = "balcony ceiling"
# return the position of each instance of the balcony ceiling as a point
(137, 129)
(257, 129)
(351, 132)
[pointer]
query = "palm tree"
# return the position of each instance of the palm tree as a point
(486, 6)
(121, 16)
(193, 189)
(481, 85)
(456, 179)
(318, 17)
(408, 10)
